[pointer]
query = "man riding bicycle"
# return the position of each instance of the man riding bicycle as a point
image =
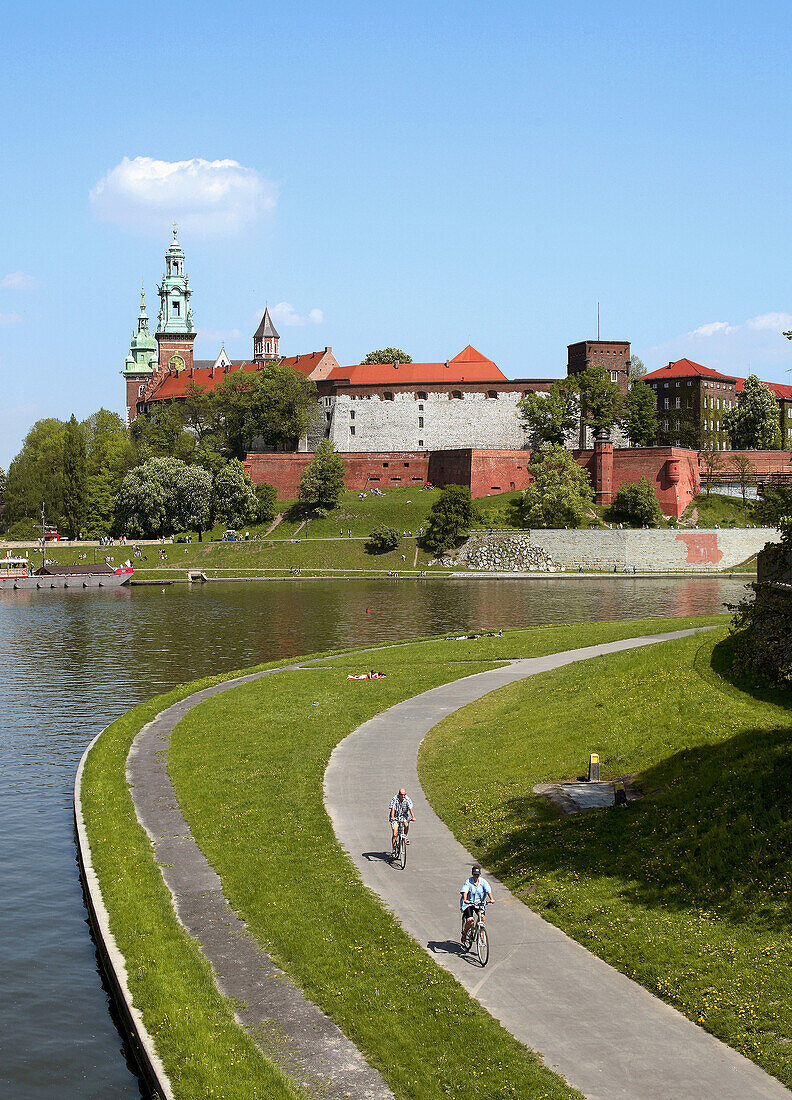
(400, 809)
(475, 892)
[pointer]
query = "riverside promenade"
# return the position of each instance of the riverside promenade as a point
(600, 1031)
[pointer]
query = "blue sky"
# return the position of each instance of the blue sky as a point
(424, 174)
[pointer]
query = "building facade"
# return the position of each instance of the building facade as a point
(691, 401)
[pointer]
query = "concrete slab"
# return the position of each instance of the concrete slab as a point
(606, 1035)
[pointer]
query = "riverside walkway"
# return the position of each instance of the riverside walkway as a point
(605, 1034)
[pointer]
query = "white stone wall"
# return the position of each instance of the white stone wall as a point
(474, 420)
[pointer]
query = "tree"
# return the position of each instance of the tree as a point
(774, 508)
(637, 369)
(450, 515)
(110, 457)
(161, 434)
(234, 500)
(276, 403)
(753, 424)
(640, 415)
(712, 460)
(382, 539)
(388, 355)
(266, 497)
(164, 496)
(600, 398)
(35, 476)
(322, 481)
(74, 478)
(743, 467)
(636, 502)
(548, 417)
(3, 482)
(560, 494)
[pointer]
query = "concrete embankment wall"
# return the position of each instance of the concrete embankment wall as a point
(699, 550)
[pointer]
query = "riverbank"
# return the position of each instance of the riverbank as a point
(274, 817)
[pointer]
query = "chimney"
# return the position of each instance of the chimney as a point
(211, 372)
(446, 364)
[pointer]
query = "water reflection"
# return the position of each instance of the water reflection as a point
(74, 660)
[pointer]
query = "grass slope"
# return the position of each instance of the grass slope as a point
(719, 508)
(687, 891)
(248, 769)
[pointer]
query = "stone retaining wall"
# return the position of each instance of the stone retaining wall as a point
(646, 551)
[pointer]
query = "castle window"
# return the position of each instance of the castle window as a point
(420, 421)
(352, 414)
(420, 408)
(406, 465)
(384, 465)
(421, 396)
(492, 394)
(176, 308)
(457, 395)
(352, 430)
(420, 441)
(615, 376)
(387, 397)
(269, 347)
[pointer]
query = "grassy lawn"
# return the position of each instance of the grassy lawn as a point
(248, 769)
(718, 508)
(688, 890)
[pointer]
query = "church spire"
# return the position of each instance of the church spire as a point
(265, 339)
(175, 326)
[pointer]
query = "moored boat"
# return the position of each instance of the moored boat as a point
(15, 573)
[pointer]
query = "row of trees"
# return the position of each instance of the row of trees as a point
(550, 417)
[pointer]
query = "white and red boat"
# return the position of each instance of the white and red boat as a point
(15, 573)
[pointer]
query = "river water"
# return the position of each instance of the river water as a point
(73, 661)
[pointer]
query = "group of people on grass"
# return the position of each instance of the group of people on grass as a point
(476, 891)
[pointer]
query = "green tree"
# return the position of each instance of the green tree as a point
(35, 476)
(753, 424)
(161, 434)
(322, 481)
(74, 478)
(744, 469)
(266, 498)
(640, 415)
(3, 482)
(774, 508)
(450, 515)
(560, 494)
(163, 496)
(382, 539)
(637, 369)
(388, 355)
(548, 417)
(110, 457)
(636, 503)
(275, 403)
(234, 500)
(600, 398)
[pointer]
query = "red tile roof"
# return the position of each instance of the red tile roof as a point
(469, 366)
(686, 368)
(778, 388)
(176, 385)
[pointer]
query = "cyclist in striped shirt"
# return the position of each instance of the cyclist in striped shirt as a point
(400, 809)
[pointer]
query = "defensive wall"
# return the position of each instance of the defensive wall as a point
(653, 550)
(672, 470)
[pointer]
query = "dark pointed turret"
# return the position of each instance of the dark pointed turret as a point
(265, 339)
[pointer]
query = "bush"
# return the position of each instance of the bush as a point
(451, 514)
(382, 539)
(266, 495)
(762, 630)
(560, 494)
(636, 503)
(24, 530)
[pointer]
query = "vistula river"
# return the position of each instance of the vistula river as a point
(73, 661)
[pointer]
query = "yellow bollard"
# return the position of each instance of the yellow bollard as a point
(593, 768)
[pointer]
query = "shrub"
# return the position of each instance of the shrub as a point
(266, 496)
(382, 539)
(451, 514)
(636, 502)
(560, 494)
(24, 530)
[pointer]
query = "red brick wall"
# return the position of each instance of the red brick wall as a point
(672, 470)
(385, 470)
(170, 343)
(766, 462)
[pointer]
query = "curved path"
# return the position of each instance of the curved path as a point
(606, 1035)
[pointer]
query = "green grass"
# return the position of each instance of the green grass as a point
(718, 508)
(687, 891)
(171, 982)
(248, 769)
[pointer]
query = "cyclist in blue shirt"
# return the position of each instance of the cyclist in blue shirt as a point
(475, 891)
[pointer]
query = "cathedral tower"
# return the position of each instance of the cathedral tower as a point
(175, 328)
(265, 339)
(141, 363)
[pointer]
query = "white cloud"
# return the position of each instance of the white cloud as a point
(220, 335)
(9, 318)
(754, 346)
(18, 280)
(206, 197)
(284, 313)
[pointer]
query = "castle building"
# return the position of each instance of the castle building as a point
(691, 400)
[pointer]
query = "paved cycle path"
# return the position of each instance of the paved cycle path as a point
(605, 1034)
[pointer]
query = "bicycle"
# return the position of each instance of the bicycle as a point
(477, 935)
(400, 847)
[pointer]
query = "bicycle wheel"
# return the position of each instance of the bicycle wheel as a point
(403, 852)
(482, 946)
